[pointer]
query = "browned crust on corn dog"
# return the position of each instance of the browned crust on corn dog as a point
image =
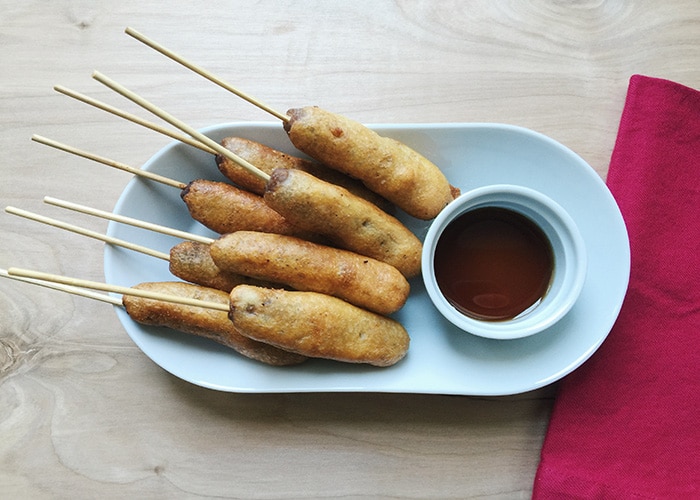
(318, 325)
(192, 262)
(386, 166)
(211, 324)
(224, 208)
(268, 159)
(307, 266)
(348, 221)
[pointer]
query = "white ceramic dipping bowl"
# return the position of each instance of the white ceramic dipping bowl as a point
(568, 270)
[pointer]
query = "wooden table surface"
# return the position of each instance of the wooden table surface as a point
(84, 414)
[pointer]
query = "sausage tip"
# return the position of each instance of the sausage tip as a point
(287, 124)
(185, 191)
(277, 177)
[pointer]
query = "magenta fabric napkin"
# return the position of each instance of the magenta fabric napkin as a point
(626, 424)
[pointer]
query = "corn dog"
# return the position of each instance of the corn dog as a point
(307, 266)
(224, 208)
(384, 165)
(317, 325)
(192, 262)
(267, 159)
(208, 323)
(348, 221)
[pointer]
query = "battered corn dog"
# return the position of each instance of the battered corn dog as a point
(267, 159)
(318, 326)
(224, 208)
(307, 266)
(348, 221)
(208, 323)
(384, 165)
(191, 261)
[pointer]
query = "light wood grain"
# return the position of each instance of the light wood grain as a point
(83, 413)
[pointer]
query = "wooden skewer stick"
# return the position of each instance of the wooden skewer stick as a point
(86, 232)
(105, 287)
(179, 124)
(204, 73)
(108, 162)
(65, 288)
(132, 118)
(127, 220)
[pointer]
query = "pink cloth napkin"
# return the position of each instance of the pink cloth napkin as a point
(626, 424)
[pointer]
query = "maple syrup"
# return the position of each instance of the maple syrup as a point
(493, 263)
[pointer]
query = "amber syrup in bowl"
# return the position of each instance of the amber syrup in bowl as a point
(493, 263)
(503, 262)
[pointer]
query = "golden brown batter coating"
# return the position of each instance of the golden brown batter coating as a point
(224, 208)
(307, 266)
(318, 325)
(191, 261)
(348, 221)
(211, 324)
(268, 159)
(263, 157)
(386, 166)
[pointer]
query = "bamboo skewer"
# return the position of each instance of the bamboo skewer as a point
(115, 217)
(204, 73)
(122, 290)
(64, 288)
(127, 220)
(120, 89)
(86, 232)
(108, 162)
(133, 118)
